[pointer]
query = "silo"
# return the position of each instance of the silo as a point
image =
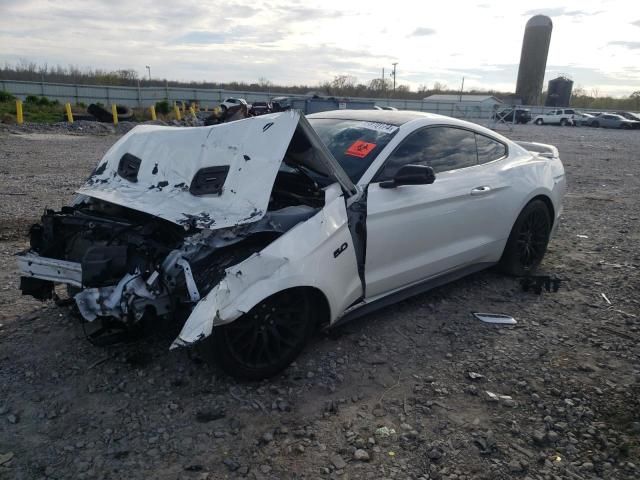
(533, 59)
(559, 92)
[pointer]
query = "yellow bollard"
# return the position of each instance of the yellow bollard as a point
(177, 110)
(114, 112)
(19, 116)
(67, 107)
(152, 110)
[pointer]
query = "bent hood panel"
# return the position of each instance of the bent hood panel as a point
(171, 156)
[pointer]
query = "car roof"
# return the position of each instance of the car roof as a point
(390, 117)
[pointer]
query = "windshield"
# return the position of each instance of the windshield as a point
(355, 144)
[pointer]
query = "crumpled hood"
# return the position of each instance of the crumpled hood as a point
(170, 157)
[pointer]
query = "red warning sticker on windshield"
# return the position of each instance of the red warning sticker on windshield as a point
(360, 149)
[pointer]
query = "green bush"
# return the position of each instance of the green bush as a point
(44, 101)
(32, 99)
(6, 96)
(162, 107)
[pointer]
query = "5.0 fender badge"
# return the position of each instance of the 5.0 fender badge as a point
(339, 250)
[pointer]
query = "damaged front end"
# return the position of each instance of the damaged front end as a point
(168, 212)
(122, 265)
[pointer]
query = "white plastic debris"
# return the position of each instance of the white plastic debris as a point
(492, 396)
(475, 376)
(385, 432)
(495, 318)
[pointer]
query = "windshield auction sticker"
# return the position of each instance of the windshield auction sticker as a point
(379, 127)
(360, 149)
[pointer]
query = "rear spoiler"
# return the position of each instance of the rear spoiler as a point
(541, 149)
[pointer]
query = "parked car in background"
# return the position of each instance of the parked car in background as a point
(233, 102)
(522, 115)
(260, 108)
(629, 115)
(611, 120)
(582, 119)
(280, 104)
(269, 227)
(560, 117)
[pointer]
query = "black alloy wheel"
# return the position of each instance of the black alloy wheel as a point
(266, 339)
(528, 240)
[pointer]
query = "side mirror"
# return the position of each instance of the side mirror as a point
(411, 175)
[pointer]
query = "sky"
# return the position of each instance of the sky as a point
(596, 43)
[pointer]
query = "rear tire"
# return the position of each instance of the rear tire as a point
(595, 124)
(264, 341)
(563, 122)
(528, 240)
(539, 121)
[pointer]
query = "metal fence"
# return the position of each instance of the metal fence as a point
(145, 96)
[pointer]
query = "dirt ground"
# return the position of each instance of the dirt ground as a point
(392, 395)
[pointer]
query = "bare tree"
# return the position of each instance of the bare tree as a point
(439, 87)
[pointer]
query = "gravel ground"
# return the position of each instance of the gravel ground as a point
(401, 393)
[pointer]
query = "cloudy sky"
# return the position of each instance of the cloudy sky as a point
(597, 43)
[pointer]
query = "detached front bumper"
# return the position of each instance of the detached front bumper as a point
(126, 300)
(33, 266)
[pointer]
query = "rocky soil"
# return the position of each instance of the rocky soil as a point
(419, 390)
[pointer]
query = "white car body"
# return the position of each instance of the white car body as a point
(417, 236)
(556, 117)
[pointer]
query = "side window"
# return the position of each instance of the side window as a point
(569, 112)
(441, 148)
(489, 149)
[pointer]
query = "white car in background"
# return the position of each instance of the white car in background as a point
(249, 235)
(233, 102)
(582, 119)
(560, 117)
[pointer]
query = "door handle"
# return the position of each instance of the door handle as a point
(483, 190)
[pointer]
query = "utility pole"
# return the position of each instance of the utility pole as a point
(393, 74)
(149, 70)
(461, 88)
(383, 80)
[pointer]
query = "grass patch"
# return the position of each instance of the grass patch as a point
(33, 112)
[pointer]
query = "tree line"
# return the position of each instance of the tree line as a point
(339, 86)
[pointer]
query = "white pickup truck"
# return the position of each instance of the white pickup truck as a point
(556, 117)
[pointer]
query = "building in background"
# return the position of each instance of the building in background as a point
(559, 92)
(533, 59)
(463, 106)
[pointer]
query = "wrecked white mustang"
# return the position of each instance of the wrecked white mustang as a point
(255, 232)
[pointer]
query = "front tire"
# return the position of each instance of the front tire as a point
(528, 240)
(264, 341)
(563, 122)
(539, 121)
